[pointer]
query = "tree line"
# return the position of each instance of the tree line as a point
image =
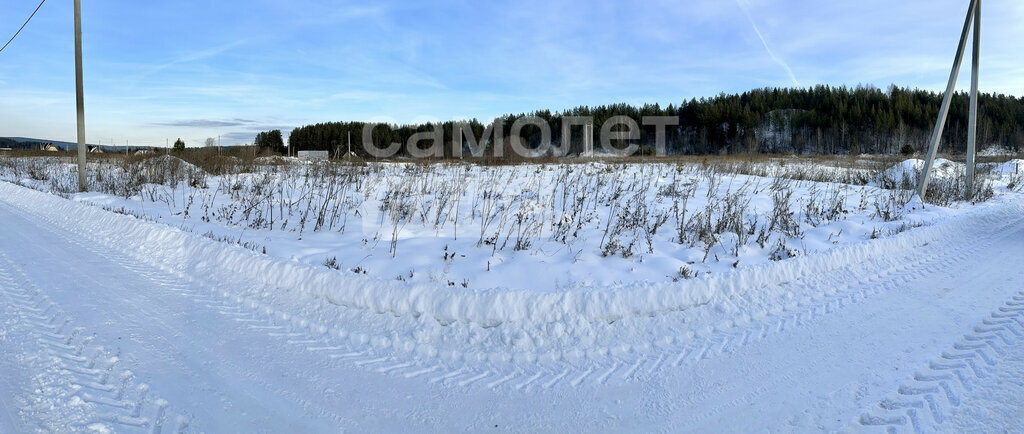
(15, 144)
(817, 120)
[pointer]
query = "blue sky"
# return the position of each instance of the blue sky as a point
(159, 69)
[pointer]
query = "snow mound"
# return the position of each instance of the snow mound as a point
(274, 160)
(1012, 167)
(907, 173)
(169, 161)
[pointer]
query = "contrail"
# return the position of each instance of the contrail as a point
(764, 42)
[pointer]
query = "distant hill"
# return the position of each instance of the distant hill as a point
(64, 146)
(31, 143)
(28, 142)
(7, 142)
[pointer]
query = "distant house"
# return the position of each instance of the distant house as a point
(48, 147)
(95, 150)
(6, 149)
(143, 152)
(313, 155)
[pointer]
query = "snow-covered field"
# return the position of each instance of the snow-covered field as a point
(536, 228)
(581, 297)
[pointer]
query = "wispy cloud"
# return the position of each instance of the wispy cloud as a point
(204, 123)
(777, 59)
(248, 135)
(235, 137)
(193, 57)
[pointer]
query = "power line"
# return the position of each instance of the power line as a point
(22, 26)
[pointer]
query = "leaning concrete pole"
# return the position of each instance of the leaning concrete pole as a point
(80, 96)
(972, 124)
(940, 124)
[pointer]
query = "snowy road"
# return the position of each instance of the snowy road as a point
(96, 335)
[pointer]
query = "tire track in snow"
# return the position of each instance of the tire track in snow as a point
(898, 278)
(223, 302)
(923, 401)
(261, 317)
(721, 341)
(732, 337)
(95, 376)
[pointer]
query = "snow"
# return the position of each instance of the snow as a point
(553, 284)
(1012, 167)
(214, 336)
(164, 160)
(996, 151)
(445, 241)
(908, 172)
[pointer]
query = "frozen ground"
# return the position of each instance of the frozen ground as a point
(110, 322)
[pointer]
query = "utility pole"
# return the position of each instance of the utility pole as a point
(588, 140)
(80, 97)
(972, 123)
(973, 15)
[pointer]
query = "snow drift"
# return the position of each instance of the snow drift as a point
(181, 252)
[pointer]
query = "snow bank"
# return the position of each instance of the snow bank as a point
(172, 160)
(178, 251)
(1012, 167)
(909, 171)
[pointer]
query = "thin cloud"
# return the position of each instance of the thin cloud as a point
(764, 42)
(248, 136)
(239, 137)
(204, 123)
(202, 54)
(192, 57)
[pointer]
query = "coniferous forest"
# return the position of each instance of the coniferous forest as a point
(820, 120)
